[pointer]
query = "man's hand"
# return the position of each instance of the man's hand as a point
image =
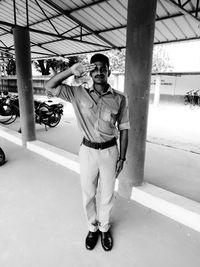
(119, 167)
(80, 69)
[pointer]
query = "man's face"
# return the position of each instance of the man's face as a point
(100, 73)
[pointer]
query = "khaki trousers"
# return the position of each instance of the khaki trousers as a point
(97, 169)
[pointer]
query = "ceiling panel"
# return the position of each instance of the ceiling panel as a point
(66, 27)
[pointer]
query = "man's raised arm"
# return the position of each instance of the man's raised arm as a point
(78, 69)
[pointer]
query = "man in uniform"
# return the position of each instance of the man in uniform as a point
(102, 115)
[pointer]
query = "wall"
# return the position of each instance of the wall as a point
(173, 85)
(9, 83)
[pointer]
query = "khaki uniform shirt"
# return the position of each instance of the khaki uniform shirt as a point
(100, 117)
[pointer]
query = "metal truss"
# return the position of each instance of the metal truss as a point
(180, 6)
(57, 35)
(70, 15)
(187, 8)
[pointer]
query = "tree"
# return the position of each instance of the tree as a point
(8, 65)
(11, 67)
(161, 61)
(117, 60)
(56, 65)
(42, 66)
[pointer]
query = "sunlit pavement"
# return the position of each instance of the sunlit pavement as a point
(175, 125)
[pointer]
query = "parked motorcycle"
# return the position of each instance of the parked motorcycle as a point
(2, 157)
(9, 109)
(48, 114)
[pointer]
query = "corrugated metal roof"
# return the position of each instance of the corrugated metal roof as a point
(68, 27)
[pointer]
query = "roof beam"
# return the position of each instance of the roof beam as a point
(180, 8)
(197, 6)
(60, 15)
(88, 5)
(6, 31)
(46, 49)
(47, 17)
(114, 28)
(12, 49)
(75, 54)
(186, 3)
(69, 15)
(55, 35)
(54, 41)
(66, 38)
(124, 26)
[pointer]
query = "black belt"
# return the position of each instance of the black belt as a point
(103, 145)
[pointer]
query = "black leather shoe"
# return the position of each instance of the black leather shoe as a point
(106, 240)
(91, 240)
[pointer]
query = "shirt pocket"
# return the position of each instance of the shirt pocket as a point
(109, 115)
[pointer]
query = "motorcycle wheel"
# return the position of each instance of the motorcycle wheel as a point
(12, 119)
(12, 111)
(2, 157)
(5, 114)
(54, 120)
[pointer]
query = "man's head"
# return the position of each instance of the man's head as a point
(100, 58)
(101, 71)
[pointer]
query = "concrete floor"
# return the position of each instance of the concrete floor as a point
(42, 222)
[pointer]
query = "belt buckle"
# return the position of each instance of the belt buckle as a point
(98, 147)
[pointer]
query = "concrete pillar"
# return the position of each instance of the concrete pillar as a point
(139, 48)
(156, 99)
(24, 83)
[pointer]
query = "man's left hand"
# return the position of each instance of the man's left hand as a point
(119, 167)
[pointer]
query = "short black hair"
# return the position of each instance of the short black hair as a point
(101, 58)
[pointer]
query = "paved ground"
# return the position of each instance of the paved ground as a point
(42, 222)
(173, 147)
(168, 124)
(175, 125)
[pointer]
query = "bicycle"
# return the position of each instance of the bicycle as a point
(188, 98)
(193, 98)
